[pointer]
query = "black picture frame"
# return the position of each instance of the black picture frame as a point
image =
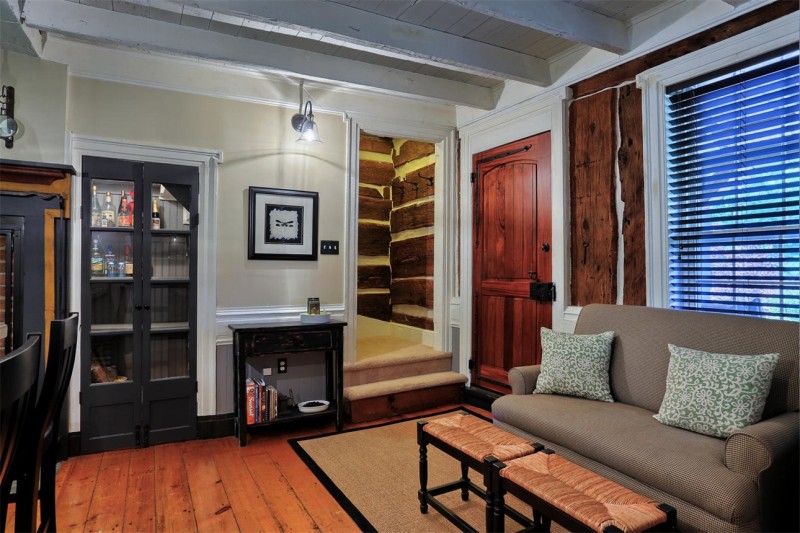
(282, 224)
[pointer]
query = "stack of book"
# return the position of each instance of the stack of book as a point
(262, 401)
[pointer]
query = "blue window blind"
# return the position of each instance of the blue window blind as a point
(733, 177)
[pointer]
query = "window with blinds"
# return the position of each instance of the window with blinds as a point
(733, 174)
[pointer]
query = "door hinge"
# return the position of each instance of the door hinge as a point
(543, 292)
(471, 364)
(196, 387)
(473, 177)
(80, 397)
(195, 220)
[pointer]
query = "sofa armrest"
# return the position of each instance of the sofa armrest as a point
(752, 449)
(523, 378)
(768, 452)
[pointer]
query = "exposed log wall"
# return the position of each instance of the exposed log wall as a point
(606, 132)
(376, 172)
(395, 230)
(592, 200)
(412, 217)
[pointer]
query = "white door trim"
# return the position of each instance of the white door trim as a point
(444, 225)
(529, 119)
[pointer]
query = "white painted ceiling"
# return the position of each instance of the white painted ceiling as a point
(455, 51)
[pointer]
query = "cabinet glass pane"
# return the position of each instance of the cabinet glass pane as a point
(112, 204)
(169, 355)
(112, 306)
(111, 254)
(170, 256)
(112, 359)
(170, 206)
(170, 304)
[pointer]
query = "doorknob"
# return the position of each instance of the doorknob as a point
(546, 247)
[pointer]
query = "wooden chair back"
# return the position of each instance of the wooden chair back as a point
(19, 371)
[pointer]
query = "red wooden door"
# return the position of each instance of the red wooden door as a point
(511, 250)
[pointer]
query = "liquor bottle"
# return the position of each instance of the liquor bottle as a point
(156, 215)
(96, 260)
(97, 214)
(109, 262)
(131, 206)
(108, 212)
(124, 213)
(126, 256)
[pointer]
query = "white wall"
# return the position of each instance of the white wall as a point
(40, 107)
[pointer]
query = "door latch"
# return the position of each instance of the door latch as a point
(543, 292)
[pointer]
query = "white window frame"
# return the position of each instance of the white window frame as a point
(653, 82)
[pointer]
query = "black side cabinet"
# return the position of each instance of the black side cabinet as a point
(256, 345)
(138, 303)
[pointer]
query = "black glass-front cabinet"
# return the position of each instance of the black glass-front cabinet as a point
(138, 304)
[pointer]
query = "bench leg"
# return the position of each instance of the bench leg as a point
(423, 468)
(540, 522)
(464, 481)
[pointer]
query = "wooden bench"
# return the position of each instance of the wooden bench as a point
(577, 498)
(472, 441)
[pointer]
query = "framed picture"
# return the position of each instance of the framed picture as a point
(283, 224)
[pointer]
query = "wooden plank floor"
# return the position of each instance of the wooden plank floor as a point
(204, 485)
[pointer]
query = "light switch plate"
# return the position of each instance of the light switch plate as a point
(329, 247)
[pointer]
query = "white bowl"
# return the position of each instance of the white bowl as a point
(305, 408)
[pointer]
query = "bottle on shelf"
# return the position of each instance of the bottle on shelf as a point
(108, 213)
(128, 258)
(109, 262)
(96, 261)
(97, 213)
(156, 215)
(131, 204)
(124, 219)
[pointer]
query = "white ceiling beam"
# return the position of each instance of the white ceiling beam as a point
(80, 21)
(557, 18)
(363, 28)
(735, 3)
(13, 35)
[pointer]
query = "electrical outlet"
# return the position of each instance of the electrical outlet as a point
(329, 247)
(266, 371)
(282, 365)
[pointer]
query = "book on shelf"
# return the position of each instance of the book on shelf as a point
(263, 400)
(257, 400)
(250, 388)
(273, 402)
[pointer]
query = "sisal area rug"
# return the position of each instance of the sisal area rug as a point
(374, 474)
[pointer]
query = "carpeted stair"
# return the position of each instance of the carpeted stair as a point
(392, 377)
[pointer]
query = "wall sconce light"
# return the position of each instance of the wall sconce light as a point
(8, 126)
(303, 121)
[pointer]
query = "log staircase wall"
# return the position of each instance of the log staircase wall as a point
(395, 239)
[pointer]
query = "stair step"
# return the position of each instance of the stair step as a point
(392, 397)
(405, 384)
(397, 365)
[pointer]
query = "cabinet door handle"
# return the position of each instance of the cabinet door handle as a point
(137, 307)
(146, 307)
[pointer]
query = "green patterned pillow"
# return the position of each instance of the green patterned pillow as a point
(715, 394)
(575, 365)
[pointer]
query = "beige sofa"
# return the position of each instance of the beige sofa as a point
(747, 482)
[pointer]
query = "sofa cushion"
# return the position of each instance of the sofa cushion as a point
(575, 365)
(629, 440)
(715, 394)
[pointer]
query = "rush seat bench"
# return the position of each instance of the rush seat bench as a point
(470, 440)
(577, 498)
